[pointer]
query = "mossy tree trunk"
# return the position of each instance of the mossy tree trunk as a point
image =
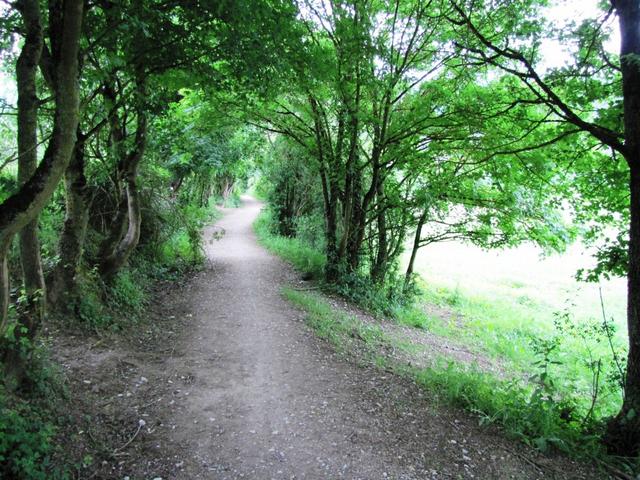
(623, 433)
(23, 207)
(32, 309)
(63, 284)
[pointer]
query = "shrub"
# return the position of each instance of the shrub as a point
(26, 441)
(27, 429)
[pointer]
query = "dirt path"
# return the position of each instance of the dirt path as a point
(256, 395)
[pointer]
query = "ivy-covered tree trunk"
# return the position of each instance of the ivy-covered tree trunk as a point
(63, 284)
(623, 434)
(23, 207)
(33, 308)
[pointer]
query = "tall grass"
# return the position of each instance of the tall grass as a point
(302, 256)
(581, 362)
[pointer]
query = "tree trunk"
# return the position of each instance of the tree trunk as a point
(356, 230)
(414, 251)
(32, 312)
(623, 432)
(332, 269)
(116, 259)
(117, 152)
(63, 285)
(360, 212)
(23, 207)
(329, 195)
(379, 269)
(351, 182)
(4, 283)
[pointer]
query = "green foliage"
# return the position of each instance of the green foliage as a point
(180, 247)
(381, 121)
(310, 230)
(335, 327)
(525, 411)
(28, 426)
(27, 440)
(386, 299)
(289, 185)
(575, 361)
(304, 257)
(383, 300)
(413, 316)
(112, 306)
(126, 295)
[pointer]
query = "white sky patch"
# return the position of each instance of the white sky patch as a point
(557, 55)
(8, 90)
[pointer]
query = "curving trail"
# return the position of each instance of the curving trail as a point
(261, 397)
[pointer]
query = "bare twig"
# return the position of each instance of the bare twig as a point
(141, 423)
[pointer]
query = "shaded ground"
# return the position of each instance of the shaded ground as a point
(230, 383)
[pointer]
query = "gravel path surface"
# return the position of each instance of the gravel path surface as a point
(262, 398)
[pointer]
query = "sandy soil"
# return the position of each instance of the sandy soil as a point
(235, 385)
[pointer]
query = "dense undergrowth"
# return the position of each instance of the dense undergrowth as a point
(28, 444)
(560, 382)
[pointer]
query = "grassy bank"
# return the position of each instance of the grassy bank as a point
(523, 409)
(293, 250)
(532, 314)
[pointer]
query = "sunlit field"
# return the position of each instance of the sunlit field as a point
(525, 277)
(506, 303)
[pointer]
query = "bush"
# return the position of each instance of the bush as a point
(174, 233)
(310, 230)
(26, 441)
(525, 411)
(127, 293)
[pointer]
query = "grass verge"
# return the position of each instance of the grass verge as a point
(524, 410)
(299, 254)
(582, 358)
